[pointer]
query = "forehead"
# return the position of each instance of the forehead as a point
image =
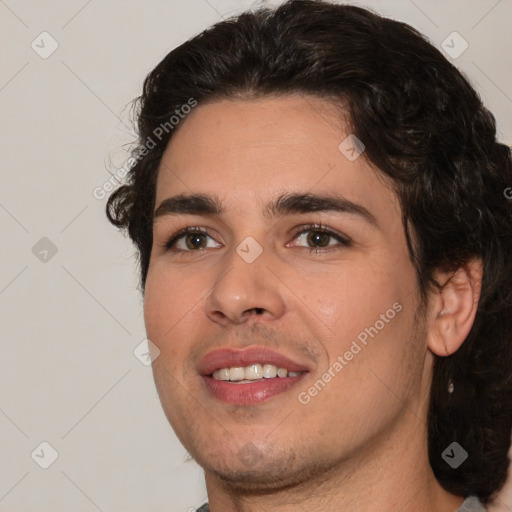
(248, 151)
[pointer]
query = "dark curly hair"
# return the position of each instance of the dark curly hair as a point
(424, 127)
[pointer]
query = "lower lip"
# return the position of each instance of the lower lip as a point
(253, 393)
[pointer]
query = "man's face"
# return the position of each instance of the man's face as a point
(250, 289)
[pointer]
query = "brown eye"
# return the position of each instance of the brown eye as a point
(318, 238)
(192, 239)
(195, 241)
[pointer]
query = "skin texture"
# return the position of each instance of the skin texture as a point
(362, 439)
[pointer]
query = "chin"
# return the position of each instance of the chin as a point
(261, 469)
(259, 479)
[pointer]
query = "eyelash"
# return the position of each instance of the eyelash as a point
(344, 242)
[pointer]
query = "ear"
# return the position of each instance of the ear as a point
(452, 308)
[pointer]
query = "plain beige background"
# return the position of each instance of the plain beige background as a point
(71, 314)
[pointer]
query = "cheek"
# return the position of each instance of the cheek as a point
(366, 303)
(170, 305)
(381, 357)
(352, 298)
(375, 327)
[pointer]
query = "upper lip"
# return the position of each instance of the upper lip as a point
(230, 357)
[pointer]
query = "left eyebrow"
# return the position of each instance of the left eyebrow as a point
(306, 203)
(285, 204)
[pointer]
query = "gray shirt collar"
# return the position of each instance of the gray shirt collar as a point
(471, 504)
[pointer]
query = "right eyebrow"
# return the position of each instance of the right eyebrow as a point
(196, 204)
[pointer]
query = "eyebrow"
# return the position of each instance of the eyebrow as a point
(285, 204)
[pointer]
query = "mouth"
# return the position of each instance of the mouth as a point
(249, 376)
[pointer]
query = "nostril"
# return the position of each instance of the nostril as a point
(258, 311)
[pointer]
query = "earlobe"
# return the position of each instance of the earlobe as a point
(452, 308)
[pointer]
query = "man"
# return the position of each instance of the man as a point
(318, 203)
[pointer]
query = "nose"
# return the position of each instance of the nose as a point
(243, 291)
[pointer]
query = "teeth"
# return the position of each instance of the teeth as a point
(252, 372)
(237, 373)
(269, 371)
(222, 374)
